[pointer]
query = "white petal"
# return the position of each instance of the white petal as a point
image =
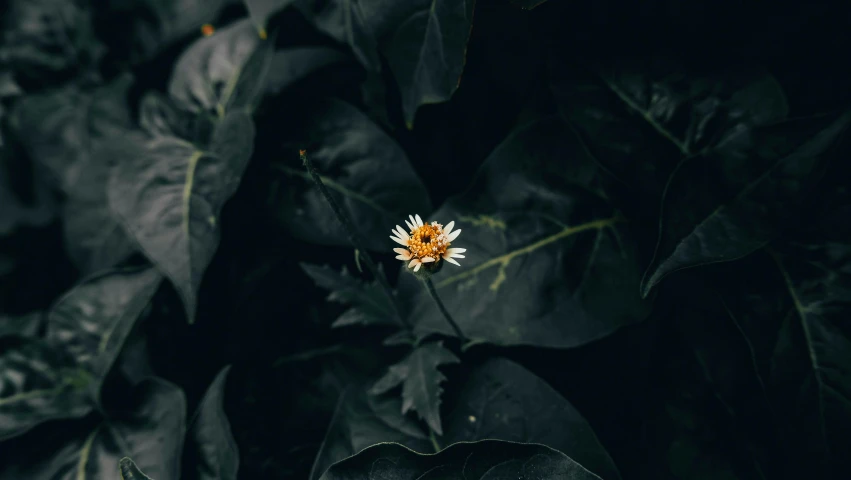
(413, 221)
(414, 262)
(401, 251)
(457, 255)
(451, 261)
(448, 228)
(419, 220)
(402, 232)
(418, 266)
(403, 257)
(427, 260)
(399, 241)
(455, 250)
(410, 226)
(452, 236)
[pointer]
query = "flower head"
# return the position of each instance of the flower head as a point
(426, 243)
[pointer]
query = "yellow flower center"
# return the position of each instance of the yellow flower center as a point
(428, 241)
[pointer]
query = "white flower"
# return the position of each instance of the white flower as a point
(426, 243)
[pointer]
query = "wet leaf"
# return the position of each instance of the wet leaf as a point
(546, 255)
(349, 150)
(169, 193)
(486, 459)
(370, 305)
(420, 379)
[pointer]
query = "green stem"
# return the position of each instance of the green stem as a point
(354, 237)
(433, 439)
(443, 310)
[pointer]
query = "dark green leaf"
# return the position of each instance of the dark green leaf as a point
(548, 262)
(39, 383)
(346, 23)
(260, 10)
(370, 305)
(160, 23)
(486, 459)
(498, 400)
(216, 452)
(420, 380)
(44, 37)
(643, 116)
(293, 64)
(15, 213)
(427, 52)
(169, 194)
(527, 4)
(735, 199)
(92, 321)
(149, 429)
(350, 150)
(129, 470)
(27, 326)
(224, 72)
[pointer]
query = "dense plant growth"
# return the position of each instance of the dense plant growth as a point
(622, 240)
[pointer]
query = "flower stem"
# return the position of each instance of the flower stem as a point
(443, 310)
(354, 237)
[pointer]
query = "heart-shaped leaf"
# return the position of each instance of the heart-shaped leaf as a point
(498, 399)
(370, 305)
(92, 321)
(150, 429)
(224, 72)
(757, 177)
(169, 193)
(546, 255)
(349, 150)
(215, 453)
(420, 380)
(486, 459)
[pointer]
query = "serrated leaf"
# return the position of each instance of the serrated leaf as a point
(427, 52)
(215, 453)
(370, 303)
(497, 400)
(758, 180)
(223, 73)
(39, 383)
(92, 321)
(349, 150)
(420, 379)
(548, 261)
(150, 429)
(169, 194)
(129, 471)
(486, 459)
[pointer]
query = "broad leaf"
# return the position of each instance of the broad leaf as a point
(157, 24)
(643, 116)
(349, 150)
(427, 52)
(39, 383)
(169, 193)
(548, 262)
(149, 429)
(224, 72)
(68, 132)
(370, 305)
(290, 65)
(215, 453)
(420, 380)
(92, 321)
(345, 22)
(261, 10)
(729, 202)
(498, 400)
(487, 459)
(129, 471)
(25, 326)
